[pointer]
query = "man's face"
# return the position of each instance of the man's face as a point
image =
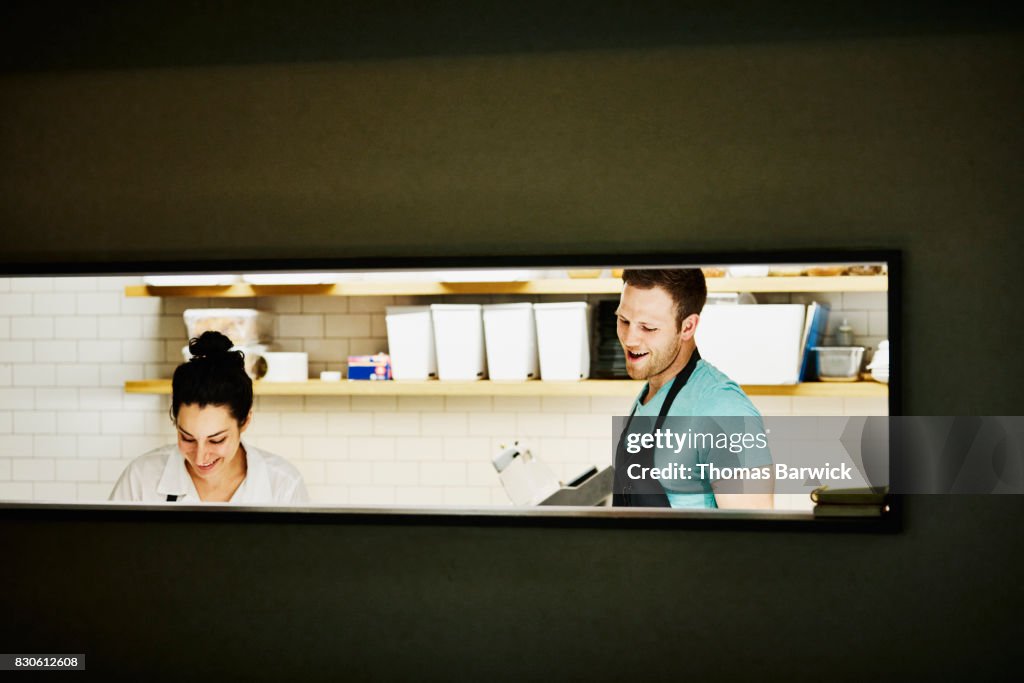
(648, 332)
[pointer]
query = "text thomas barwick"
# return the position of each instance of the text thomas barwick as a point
(705, 470)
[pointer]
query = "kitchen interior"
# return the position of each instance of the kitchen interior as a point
(405, 388)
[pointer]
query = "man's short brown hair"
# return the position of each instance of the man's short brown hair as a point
(686, 286)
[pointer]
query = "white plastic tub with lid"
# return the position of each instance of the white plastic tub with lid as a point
(459, 340)
(510, 335)
(563, 340)
(411, 342)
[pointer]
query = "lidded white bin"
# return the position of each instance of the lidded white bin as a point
(756, 344)
(459, 340)
(563, 340)
(411, 342)
(511, 339)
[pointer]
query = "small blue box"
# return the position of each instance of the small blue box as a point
(374, 368)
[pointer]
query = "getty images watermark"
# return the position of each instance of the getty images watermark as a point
(798, 454)
(752, 447)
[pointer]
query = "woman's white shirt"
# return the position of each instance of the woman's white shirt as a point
(152, 477)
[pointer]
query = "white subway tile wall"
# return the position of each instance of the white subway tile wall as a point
(67, 429)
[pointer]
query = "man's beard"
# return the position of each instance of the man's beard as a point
(655, 363)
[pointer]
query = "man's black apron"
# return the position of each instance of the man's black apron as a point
(646, 493)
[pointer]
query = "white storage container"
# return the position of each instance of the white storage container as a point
(282, 366)
(753, 344)
(411, 342)
(243, 326)
(563, 340)
(511, 339)
(459, 340)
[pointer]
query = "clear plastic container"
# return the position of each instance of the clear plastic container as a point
(844, 334)
(839, 363)
(243, 326)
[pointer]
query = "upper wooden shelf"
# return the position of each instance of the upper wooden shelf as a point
(591, 387)
(841, 283)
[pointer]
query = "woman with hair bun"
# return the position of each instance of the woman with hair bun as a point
(211, 407)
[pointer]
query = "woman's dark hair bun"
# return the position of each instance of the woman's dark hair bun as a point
(214, 347)
(214, 375)
(209, 344)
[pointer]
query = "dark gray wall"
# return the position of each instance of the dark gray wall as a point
(351, 601)
(910, 142)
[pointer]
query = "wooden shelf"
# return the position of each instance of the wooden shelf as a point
(593, 387)
(843, 283)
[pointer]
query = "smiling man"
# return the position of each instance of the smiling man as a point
(658, 314)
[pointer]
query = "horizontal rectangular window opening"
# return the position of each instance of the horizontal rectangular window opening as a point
(472, 390)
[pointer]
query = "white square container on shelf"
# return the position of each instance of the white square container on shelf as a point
(459, 340)
(757, 344)
(411, 342)
(511, 339)
(563, 340)
(286, 366)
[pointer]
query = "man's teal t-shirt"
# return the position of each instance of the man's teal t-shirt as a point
(708, 393)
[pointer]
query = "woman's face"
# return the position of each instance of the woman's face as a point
(210, 439)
